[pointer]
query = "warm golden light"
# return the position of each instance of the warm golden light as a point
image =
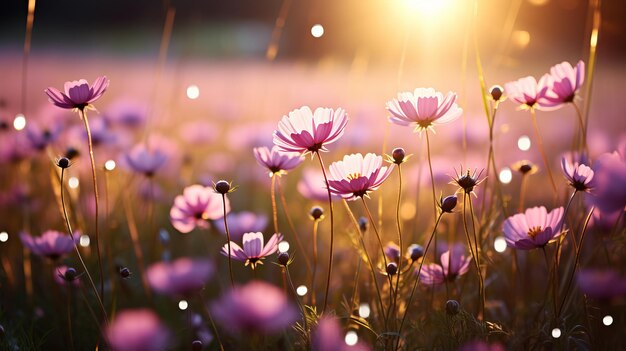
(521, 38)
(427, 7)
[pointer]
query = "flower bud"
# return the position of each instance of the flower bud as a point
(124, 272)
(363, 224)
(71, 153)
(196, 345)
(398, 155)
(222, 187)
(70, 274)
(283, 258)
(452, 307)
(63, 162)
(448, 203)
(316, 213)
(392, 268)
(496, 92)
(415, 251)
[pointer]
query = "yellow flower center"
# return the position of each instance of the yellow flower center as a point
(354, 175)
(532, 232)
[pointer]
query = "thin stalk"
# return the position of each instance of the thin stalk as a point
(283, 202)
(295, 295)
(380, 243)
(134, 237)
(542, 150)
(583, 128)
(522, 192)
(430, 168)
(314, 272)
(474, 252)
(332, 230)
(80, 257)
(95, 194)
(274, 211)
(230, 264)
(576, 262)
(478, 248)
(369, 260)
(545, 256)
(417, 278)
(356, 284)
(208, 314)
(399, 227)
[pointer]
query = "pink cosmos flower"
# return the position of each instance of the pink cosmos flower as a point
(78, 94)
(51, 243)
(305, 131)
(453, 264)
(256, 307)
(195, 207)
(137, 330)
(241, 223)
(146, 160)
(423, 108)
(579, 176)
(528, 92)
(276, 161)
(533, 228)
(356, 175)
(564, 82)
(253, 249)
(181, 277)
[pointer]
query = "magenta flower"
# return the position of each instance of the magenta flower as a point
(181, 277)
(78, 94)
(51, 244)
(241, 223)
(253, 249)
(564, 82)
(305, 131)
(452, 266)
(579, 176)
(528, 92)
(276, 161)
(137, 330)
(601, 283)
(256, 307)
(533, 228)
(146, 160)
(195, 207)
(356, 175)
(423, 108)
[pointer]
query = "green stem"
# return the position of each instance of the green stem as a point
(274, 211)
(417, 278)
(430, 168)
(95, 194)
(332, 231)
(80, 257)
(542, 151)
(292, 227)
(304, 314)
(230, 264)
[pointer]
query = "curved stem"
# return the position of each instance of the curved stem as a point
(474, 252)
(417, 278)
(95, 194)
(292, 227)
(217, 334)
(314, 272)
(430, 168)
(80, 257)
(478, 248)
(380, 243)
(576, 262)
(545, 256)
(303, 311)
(369, 261)
(274, 211)
(332, 230)
(230, 264)
(583, 128)
(542, 150)
(395, 292)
